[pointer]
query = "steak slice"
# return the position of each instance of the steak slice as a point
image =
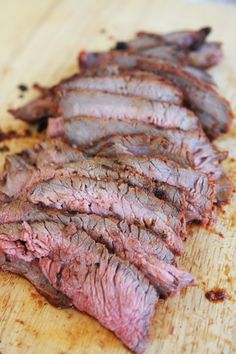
(198, 188)
(126, 84)
(213, 110)
(209, 54)
(98, 104)
(126, 241)
(198, 205)
(35, 165)
(32, 272)
(141, 145)
(97, 283)
(188, 46)
(110, 198)
(184, 39)
(85, 131)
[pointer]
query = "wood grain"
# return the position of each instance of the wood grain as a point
(39, 41)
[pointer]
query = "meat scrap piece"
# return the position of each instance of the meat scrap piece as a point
(127, 84)
(40, 108)
(96, 282)
(48, 152)
(208, 55)
(110, 198)
(32, 272)
(89, 131)
(15, 176)
(98, 104)
(126, 241)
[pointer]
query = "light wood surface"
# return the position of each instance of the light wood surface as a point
(39, 41)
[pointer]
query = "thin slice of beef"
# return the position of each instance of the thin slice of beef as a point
(113, 198)
(126, 241)
(184, 39)
(15, 182)
(98, 104)
(213, 110)
(32, 272)
(209, 54)
(128, 85)
(198, 188)
(201, 75)
(142, 145)
(187, 39)
(111, 229)
(98, 283)
(85, 131)
(136, 172)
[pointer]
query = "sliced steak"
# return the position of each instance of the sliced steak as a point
(112, 198)
(209, 54)
(185, 39)
(97, 282)
(136, 172)
(198, 189)
(128, 85)
(15, 181)
(32, 272)
(213, 110)
(98, 104)
(141, 145)
(85, 131)
(126, 241)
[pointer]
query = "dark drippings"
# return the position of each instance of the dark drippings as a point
(4, 148)
(216, 295)
(42, 125)
(22, 87)
(121, 46)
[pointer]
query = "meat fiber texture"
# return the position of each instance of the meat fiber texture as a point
(154, 175)
(138, 246)
(86, 131)
(81, 269)
(98, 225)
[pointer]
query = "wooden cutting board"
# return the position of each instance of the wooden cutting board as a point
(39, 41)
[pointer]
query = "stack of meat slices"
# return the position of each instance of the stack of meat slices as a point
(95, 217)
